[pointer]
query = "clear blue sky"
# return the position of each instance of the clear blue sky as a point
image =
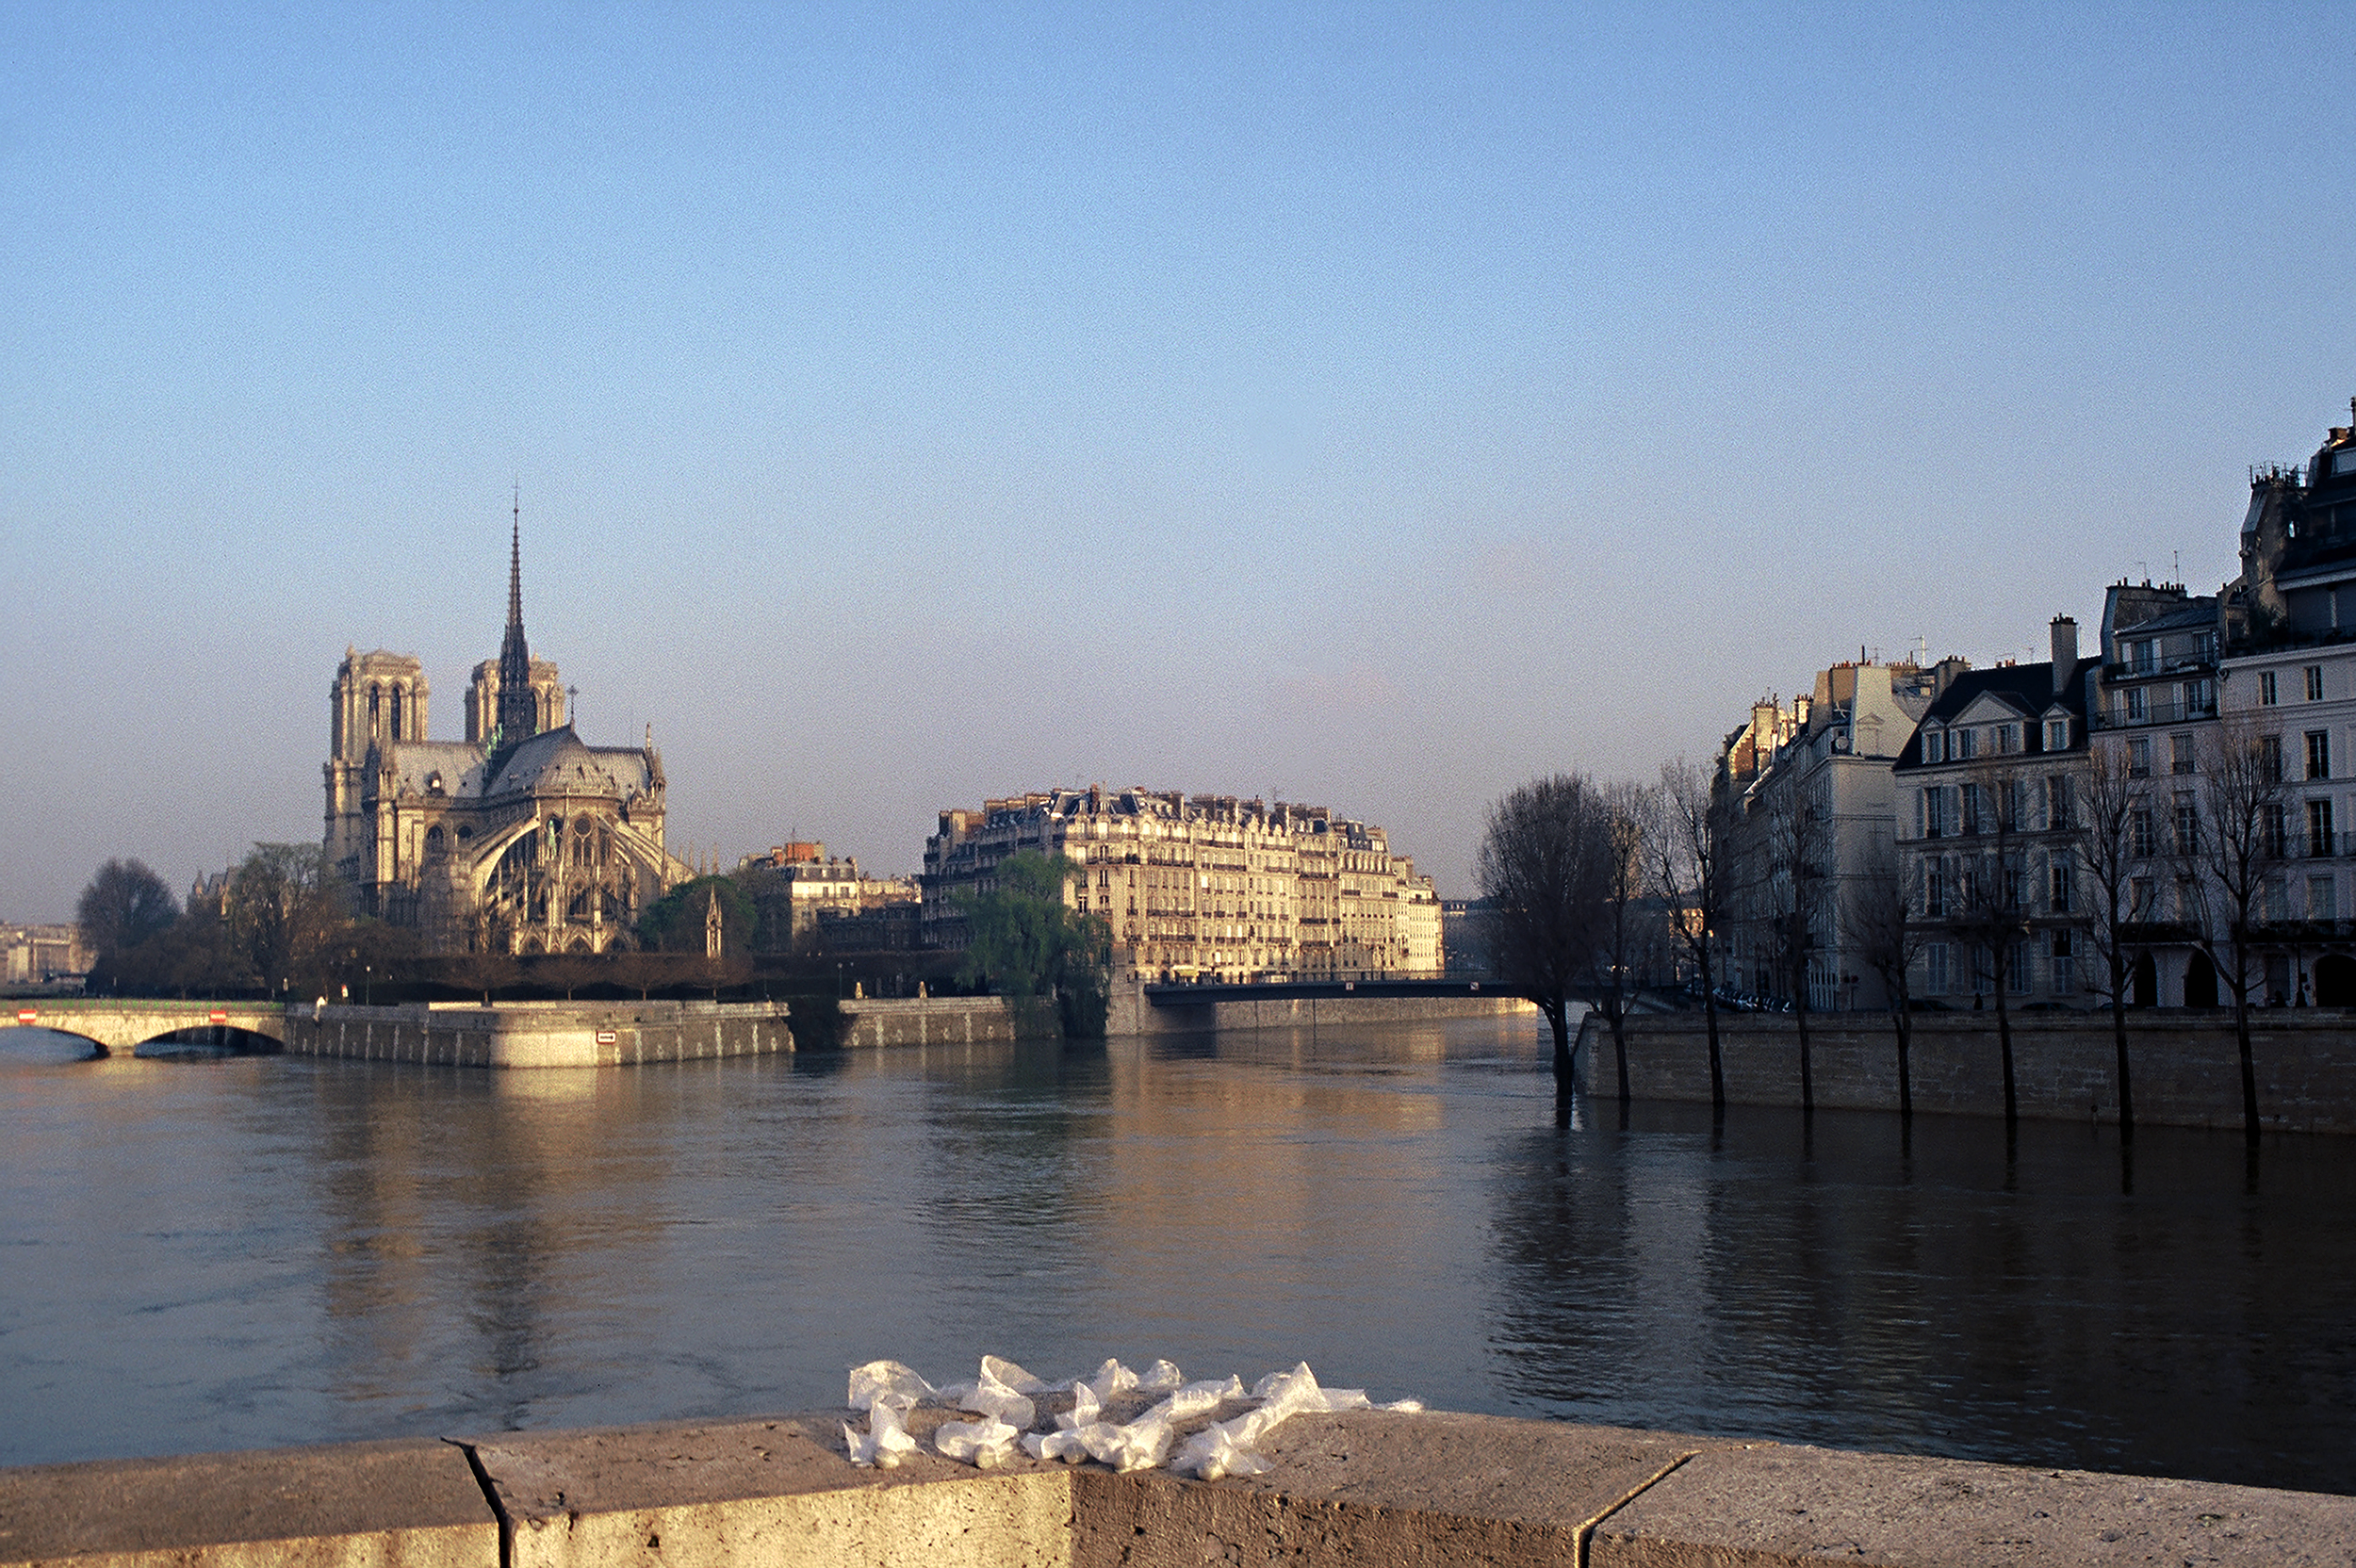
(1371, 406)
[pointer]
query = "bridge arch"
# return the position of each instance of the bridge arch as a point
(117, 1027)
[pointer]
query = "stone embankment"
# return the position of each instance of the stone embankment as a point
(1355, 1488)
(540, 1034)
(2184, 1066)
(926, 1020)
(1132, 1013)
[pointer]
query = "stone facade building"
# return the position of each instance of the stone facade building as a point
(1809, 806)
(519, 838)
(1203, 886)
(1986, 832)
(41, 955)
(809, 900)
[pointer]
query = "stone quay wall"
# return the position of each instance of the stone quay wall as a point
(540, 1034)
(1364, 1487)
(1132, 1013)
(926, 1020)
(2186, 1066)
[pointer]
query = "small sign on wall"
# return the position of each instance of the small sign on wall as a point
(606, 1036)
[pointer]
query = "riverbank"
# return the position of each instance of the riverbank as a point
(1361, 1487)
(2184, 1065)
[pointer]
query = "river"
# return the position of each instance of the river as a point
(219, 1253)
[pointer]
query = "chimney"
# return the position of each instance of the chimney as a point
(2065, 651)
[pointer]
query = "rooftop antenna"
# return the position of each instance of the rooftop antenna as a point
(572, 706)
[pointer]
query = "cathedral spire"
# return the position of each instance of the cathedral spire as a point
(518, 705)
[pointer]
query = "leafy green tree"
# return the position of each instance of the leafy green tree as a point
(1028, 946)
(674, 923)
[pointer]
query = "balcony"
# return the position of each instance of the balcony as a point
(2153, 713)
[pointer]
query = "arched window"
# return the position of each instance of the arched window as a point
(376, 705)
(398, 732)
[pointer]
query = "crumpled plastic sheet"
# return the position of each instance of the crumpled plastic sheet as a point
(887, 1390)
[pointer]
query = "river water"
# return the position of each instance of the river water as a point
(217, 1254)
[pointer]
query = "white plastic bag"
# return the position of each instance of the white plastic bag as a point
(1196, 1398)
(1067, 1445)
(1138, 1445)
(1160, 1377)
(882, 1378)
(989, 1395)
(1111, 1379)
(998, 1369)
(980, 1444)
(886, 1438)
(1085, 1409)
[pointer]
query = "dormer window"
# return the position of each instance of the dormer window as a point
(2057, 734)
(1964, 746)
(1934, 745)
(434, 784)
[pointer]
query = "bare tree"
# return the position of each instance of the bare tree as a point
(2233, 845)
(1631, 813)
(1992, 896)
(124, 905)
(1544, 863)
(1878, 921)
(1688, 874)
(2111, 809)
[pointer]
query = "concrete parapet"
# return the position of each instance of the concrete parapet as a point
(927, 1020)
(540, 1034)
(1356, 1488)
(2186, 1066)
(352, 1505)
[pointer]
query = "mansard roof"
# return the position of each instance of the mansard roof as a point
(2026, 690)
(459, 765)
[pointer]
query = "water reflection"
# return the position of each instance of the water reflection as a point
(252, 1252)
(1948, 1301)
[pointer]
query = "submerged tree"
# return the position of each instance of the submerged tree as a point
(1689, 870)
(1029, 945)
(2231, 839)
(2108, 812)
(1628, 940)
(1878, 921)
(1544, 864)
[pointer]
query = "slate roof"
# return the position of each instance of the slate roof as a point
(558, 762)
(2027, 689)
(463, 767)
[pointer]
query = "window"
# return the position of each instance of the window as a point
(1934, 888)
(1972, 814)
(2187, 826)
(2057, 734)
(2271, 758)
(2016, 971)
(2204, 647)
(1934, 745)
(2065, 966)
(2267, 694)
(2180, 753)
(1934, 812)
(2315, 682)
(2060, 803)
(2059, 877)
(2139, 840)
(2200, 698)
(2138, 705)
(1982, 972)
(2323, 898)
(2277, 900)
(2319, 827)
(1935, 977)
(2007, 738)
(1963, 744)
(2141, 656)
(2274, 829)
(2140, 757)
(2016, 882)
(2142, 900)
(2318, 754)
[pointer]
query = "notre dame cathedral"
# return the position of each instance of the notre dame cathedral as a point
(520, 838)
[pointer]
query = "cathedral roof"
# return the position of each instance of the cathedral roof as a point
(558, 762)
(458, 765)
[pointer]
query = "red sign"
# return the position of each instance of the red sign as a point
(605, 1036)
(27, 1015)
(220, 1017)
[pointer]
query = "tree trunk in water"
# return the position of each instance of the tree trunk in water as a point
(2248, 1068)
(1905, 1027)
(2126, 1090)
(1558, 1014)
(1619, 1050)
(2003, 1039)
(1807, 1070)
(1717, 1063)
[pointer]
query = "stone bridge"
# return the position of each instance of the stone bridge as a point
(118, 1027)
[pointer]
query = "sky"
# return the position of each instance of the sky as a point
(1366, 406)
